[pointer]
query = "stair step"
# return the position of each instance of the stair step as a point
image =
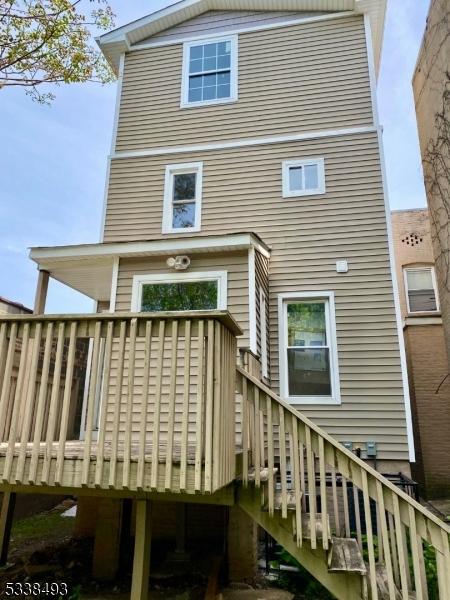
(383, 586)
(278, 501)
(345, 556)
(263, 474)
(306, 527)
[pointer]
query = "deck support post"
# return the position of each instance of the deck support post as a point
(242, 546)
(6, 517)
(41, 292)
(107, 539)
(142, 547)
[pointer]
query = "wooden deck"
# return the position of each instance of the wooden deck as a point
(153, 394)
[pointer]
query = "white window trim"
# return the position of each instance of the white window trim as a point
(263, 333)
(171, 171)
(335, 397)
(435, 288)
(140, 280)
(233, 71)
(288, 164)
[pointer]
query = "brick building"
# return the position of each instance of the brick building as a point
(425, 348)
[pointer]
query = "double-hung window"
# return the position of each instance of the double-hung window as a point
(182, 198)
(308, 348)
(420, 285)
(209, 72)
(303, 177)
(179, 292)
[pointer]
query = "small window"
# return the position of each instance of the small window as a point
(303, 177)
(182, 198)
(309, 352)
(210, 72)
(179, 292)
(420, 288)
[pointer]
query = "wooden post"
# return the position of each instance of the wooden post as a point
(41, 292)
(6, 516)
(142, 546)
(107, 539)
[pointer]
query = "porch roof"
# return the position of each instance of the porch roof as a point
(89, 268)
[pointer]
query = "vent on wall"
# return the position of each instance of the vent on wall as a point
(413, 239)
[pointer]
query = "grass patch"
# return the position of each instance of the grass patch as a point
(44, 527)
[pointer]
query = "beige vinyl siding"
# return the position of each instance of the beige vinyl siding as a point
(235, 263)
(315, 77)
(242, 191)
(220, 21)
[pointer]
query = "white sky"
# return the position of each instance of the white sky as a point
(54, 158)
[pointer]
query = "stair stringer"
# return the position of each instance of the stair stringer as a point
(345, 586)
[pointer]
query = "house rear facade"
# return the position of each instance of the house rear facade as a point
(245, 221)
(271, 183)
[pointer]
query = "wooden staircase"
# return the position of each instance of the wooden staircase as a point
(352, 529)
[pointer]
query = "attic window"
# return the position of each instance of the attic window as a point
(209, 72)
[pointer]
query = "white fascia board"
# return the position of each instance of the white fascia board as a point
(390, 236)
(121, 32)
(198, 244)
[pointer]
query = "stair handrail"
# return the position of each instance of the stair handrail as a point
(338, 446)
(402, 554)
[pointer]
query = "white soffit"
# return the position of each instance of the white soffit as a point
(88, 268)
(120, 40)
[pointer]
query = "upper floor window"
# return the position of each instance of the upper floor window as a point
(209, 72)
(182, 198)
(303, 177)
(420, 286)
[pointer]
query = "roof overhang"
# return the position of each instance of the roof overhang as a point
(89, 268)
(121, 40)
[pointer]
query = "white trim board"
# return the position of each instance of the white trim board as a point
(252, 301)
(113, 143)
(220, 276)
(114, 283)
(242, 143)
(263, 333)
(396, 297)
(335, 398)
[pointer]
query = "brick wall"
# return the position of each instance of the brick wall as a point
(427, 364)
(430, 396)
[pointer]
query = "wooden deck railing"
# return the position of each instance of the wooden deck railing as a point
(131, 401)
(327, 488)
